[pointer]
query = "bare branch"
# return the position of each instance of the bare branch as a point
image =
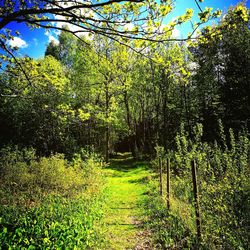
(16, 61)
(198, 6)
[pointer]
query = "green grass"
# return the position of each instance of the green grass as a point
(171, 229)
(126, 185)
(50, 203)
(58, 223)
(94, 217)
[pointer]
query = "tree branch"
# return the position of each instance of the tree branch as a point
(59, 10)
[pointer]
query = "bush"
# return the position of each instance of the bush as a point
(223, 180)
(58, 223)
(49, 202)
(169, 229)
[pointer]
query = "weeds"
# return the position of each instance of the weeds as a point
(223, 178)
(50, 203)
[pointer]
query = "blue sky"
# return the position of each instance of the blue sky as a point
(182, 5)
(33, 42)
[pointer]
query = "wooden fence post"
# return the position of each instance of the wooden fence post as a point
(168, 183)
(160, 165)
(196, 199)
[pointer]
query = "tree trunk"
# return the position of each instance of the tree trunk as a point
(107, 124)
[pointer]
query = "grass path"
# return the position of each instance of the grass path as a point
(124, 218)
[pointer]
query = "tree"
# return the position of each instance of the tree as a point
(40, 117)
(235, 89)
(115, 19)
(97, 92)
(222, 78)
(95, 87)
(108, 18)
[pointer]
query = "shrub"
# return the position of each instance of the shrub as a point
(49, 202)
(169, 229)
(223, 178)
(58, 223)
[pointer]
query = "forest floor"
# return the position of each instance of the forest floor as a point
(126, 185)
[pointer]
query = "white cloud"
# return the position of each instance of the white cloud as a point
(57, 32)
(81, 31)
(176, 33)
(35, 41)
(70, 26)
(17, 42)
(129, 26)
(51, 37)
(83, 12)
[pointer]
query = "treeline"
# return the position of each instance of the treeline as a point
(102, 95)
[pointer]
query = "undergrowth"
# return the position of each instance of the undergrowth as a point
(224, 193)
(169, 228)
(50, 203)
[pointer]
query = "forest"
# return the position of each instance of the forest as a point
(125, 139)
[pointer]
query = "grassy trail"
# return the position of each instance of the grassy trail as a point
(124, 218)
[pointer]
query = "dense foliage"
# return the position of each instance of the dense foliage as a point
(223, 182)
(107, 96)
(189, 99)
(49, 200)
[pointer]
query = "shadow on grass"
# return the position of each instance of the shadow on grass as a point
(125, 162)
(123, 224)
(142, 180)
(123, 208)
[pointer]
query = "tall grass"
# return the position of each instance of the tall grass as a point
(49, 202)
(223, 177)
